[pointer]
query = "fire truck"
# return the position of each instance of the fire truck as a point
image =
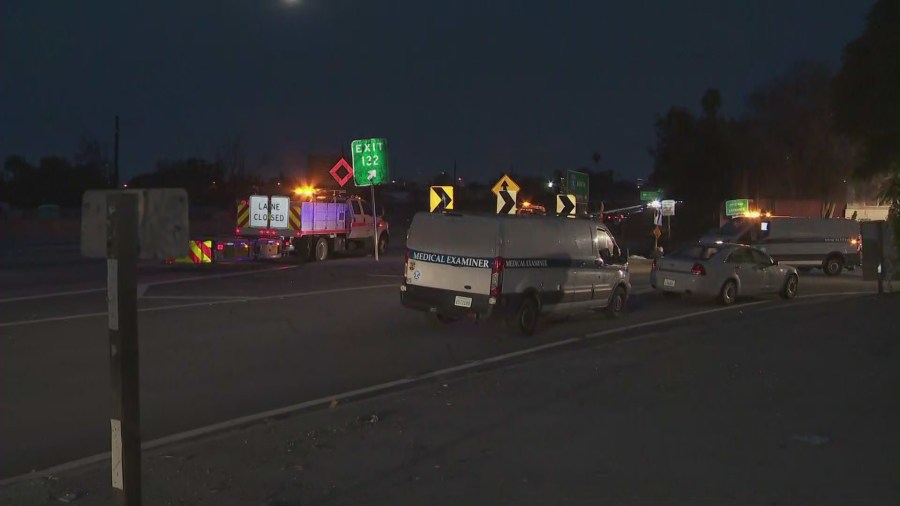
(310, 224)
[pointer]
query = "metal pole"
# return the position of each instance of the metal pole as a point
(122, 253)
(669, 226)
(116, 156)
(881, 268)
(375, 220)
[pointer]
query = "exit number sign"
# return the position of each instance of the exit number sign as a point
(370, 164)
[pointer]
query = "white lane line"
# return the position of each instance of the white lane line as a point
(373, 389)
(51, 295)
(199, 304)
(223, 275)
(197, 297)
(142, 287)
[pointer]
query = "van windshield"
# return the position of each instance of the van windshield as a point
(696, 252)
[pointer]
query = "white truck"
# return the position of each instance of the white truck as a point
(313, 227)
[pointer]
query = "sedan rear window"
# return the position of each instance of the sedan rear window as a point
(696, 252)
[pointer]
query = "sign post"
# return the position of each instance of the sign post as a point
(370, 168)
(123, 226)
(872, 233)
(668, 210)
(121, 274)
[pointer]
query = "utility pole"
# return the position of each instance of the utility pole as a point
(115, 178)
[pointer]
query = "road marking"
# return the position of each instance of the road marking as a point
(142, 287)
(198, 304)
(373, 389)
(223, 275)
(197, 297)
(51, 295)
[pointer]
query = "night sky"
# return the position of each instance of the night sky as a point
(532, 85)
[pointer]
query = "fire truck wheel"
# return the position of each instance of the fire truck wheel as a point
(321, 250)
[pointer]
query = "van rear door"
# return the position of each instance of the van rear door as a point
(452, 252)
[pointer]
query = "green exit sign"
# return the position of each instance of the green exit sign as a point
(737, 207)
(649, 195)
(370, 161)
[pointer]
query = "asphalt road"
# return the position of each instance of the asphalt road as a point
(768, 404)
(232, 341)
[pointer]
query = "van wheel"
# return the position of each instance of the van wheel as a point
(616, 305)
(321, 251)
(789, 291)
(728, 293)
(525, 320)
(833, 265)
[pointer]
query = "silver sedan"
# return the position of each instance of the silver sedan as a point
(723, 271)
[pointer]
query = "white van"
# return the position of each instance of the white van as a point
(513, 267)
(831, 244)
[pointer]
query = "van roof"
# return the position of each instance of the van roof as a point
(523, 217)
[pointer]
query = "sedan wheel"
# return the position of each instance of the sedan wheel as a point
(728, 294)
(789, 291)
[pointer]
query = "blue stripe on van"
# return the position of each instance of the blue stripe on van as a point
(487, 263)
(459, 261)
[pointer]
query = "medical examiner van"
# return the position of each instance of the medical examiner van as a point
(830, 244)
(512, 267)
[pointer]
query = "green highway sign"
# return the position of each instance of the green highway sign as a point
(737, 207)
(578, 185)
(650, 195)
(370, 161)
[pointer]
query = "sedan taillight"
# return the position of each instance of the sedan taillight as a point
(698, 270)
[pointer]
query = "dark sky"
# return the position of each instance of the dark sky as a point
(535, 85)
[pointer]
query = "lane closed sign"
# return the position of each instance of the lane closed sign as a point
(259, 211)
(269, 212)
(279, 207)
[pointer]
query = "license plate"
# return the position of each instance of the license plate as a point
(463, 301)
(669, 282)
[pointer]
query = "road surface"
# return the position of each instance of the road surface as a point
(222, 343)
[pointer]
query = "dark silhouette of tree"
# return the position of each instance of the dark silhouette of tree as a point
(711, 102)
(866, 91)
(54, 180)
(791, 140)
(200, 178)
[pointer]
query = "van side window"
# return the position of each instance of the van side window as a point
(604, 244)
(357, 209)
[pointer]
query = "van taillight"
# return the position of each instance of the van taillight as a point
(497, 277)
(698, 270)
(858, 243)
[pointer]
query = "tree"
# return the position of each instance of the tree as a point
(232, 158)
(788, 142)
(866, 95)
(711, 102)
